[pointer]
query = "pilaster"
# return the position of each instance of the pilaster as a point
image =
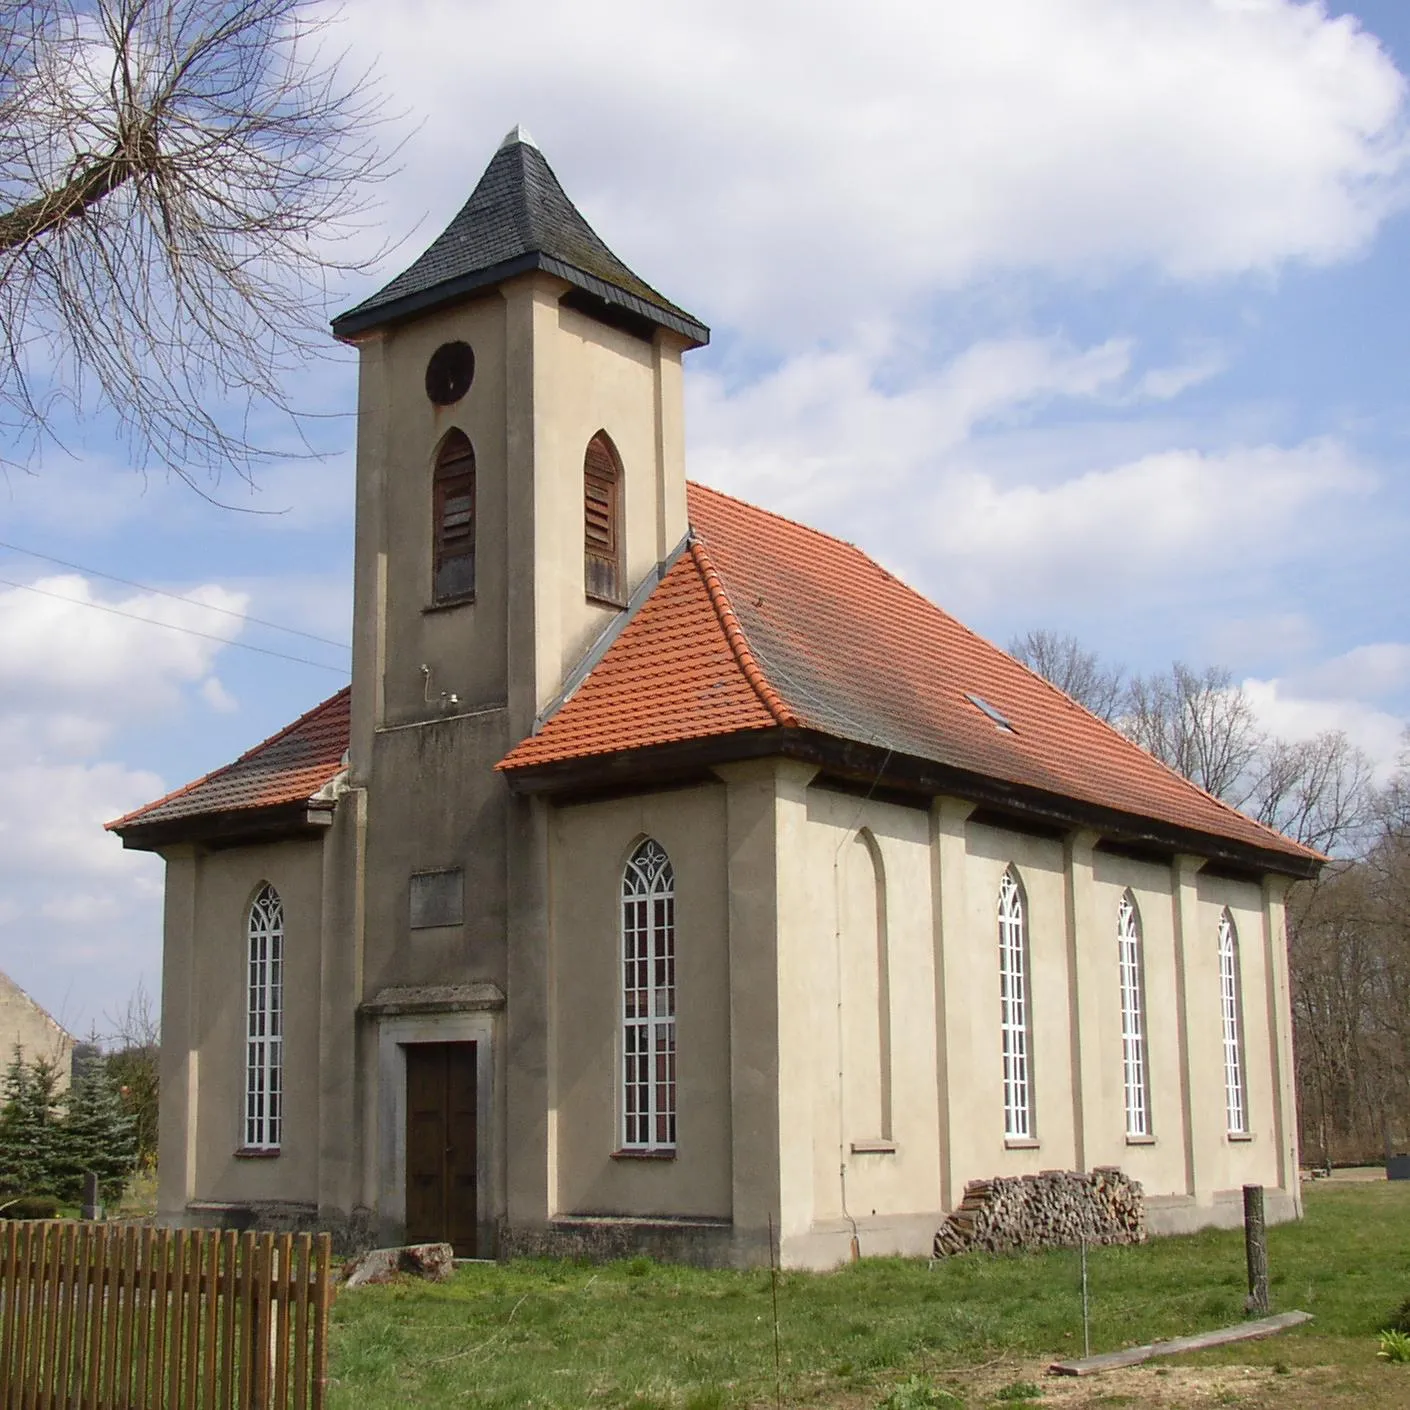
(180, 1055)
(954, 1037)
(1195, 1067)
(1275, 941)
(770, 1082)
(1085, 971)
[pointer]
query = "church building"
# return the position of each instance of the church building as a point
(672, 877)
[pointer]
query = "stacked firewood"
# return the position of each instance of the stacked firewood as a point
(1057, 1209)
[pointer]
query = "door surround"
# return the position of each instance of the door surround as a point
(394, 1036)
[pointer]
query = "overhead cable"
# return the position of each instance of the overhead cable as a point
(175, 596)
(174, 627)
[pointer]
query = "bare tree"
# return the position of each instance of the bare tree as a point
(1060, 658)
(179, 179)
(1198, 722)
(1318, 791)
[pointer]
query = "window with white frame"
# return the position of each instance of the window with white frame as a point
(1235, 1106)
(1133, 1018)
(1013, 996)
(649, 1000)
(264, 1027)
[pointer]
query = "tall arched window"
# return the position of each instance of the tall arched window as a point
(1013, 1011)
(1133, 1018)
(264, 1027)
(649, 1000)
(1235, 1107)
(603, 575)
(453, 520)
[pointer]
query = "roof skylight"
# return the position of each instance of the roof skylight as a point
(997, 716)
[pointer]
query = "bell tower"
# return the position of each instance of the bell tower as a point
(520, 467)
(520, 483)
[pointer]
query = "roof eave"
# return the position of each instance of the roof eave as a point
(232, 827)
(369, 315)
(844, 759)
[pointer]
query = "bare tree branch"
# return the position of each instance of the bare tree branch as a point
(179, 182)
(1063, 660)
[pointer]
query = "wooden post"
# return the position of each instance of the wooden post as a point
(91, 1208)
(1256, 1246)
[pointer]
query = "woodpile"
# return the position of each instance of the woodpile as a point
(1056, 1209)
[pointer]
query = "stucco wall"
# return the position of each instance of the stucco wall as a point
(870, 991)
(26, 1026)
(203, 1026)
(591, 844)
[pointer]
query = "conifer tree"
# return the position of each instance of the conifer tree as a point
(97, 1134)
(29, 1127)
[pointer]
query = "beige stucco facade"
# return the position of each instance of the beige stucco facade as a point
(28, 1029)
(839, 1062)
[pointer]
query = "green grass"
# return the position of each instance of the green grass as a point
(635, 1334)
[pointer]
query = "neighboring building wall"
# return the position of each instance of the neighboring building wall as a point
(26, 1026)
(204, 1004)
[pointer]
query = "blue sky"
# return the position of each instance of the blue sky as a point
(1075, 313)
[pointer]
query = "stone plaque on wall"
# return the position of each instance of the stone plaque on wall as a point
(437, 898)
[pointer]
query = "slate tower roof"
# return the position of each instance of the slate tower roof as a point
(518, 218)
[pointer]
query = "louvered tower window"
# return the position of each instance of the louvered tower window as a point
(649, 1000)
(454, 520)
(264, 1022)
(1133, 1019)
(1013, 1011)
(1231, 1005)
(603, 575)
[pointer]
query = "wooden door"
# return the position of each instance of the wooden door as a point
(440, 1145)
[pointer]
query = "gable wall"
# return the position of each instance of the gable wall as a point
(26, 1026)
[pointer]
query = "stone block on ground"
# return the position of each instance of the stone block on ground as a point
(433, 1262)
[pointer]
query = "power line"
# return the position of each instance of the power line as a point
(173, 627)
(175, 597)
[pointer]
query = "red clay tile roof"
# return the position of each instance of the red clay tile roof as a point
(765, 623)
(289, 767)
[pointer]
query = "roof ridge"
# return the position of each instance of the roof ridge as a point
(226, 768)
(736, 636)
(973, 635)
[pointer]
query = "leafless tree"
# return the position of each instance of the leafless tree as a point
(1318, 791)
(1198, 722)
(1060, 658)
(179, 181)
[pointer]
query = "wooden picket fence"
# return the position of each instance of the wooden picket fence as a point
(125, 1317)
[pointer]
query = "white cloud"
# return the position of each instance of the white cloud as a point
(83, 917)
(1169, 515)
(809, 431)
(217, 697)
(1283, 712)
(869, 153)
(101, 658)
(1373, 672)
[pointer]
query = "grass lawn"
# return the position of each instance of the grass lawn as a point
(974, 1331)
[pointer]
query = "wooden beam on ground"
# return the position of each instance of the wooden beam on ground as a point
(1134, 1355)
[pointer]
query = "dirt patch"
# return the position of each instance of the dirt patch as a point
(1165, 1387)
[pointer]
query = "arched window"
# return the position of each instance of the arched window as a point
(1013, 1011)
(264, 1027)
(1133, 1018)
(1235, 1107)
(649, 1000)
(603, 575)
(453, 520)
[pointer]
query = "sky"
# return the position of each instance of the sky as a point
(1077, 314)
